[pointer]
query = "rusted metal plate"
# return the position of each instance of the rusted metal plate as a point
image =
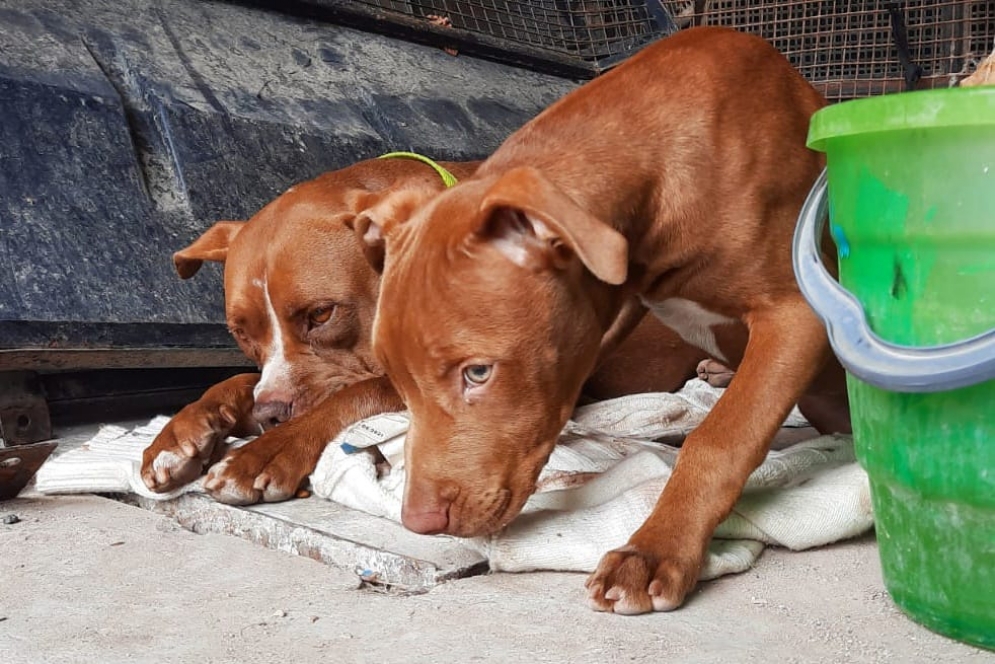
(18, 464)
(24, 414)
(62, 359)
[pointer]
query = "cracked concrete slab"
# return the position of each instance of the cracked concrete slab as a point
(314, 528)
(328, 532)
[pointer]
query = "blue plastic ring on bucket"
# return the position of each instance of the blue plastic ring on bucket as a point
(863, 353)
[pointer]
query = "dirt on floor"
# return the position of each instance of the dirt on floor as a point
(86, 579)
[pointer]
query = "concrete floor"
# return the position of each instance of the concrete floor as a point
(87, 579)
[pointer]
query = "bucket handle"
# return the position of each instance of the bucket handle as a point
(863, 353)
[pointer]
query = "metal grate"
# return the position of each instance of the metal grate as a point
(849, 48)
(595, 34)
(846, 48)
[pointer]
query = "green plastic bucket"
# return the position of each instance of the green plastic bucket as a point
(911, 202)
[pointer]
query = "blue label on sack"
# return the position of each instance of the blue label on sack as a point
(839, 237)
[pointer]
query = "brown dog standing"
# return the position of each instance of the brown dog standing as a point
(677, 177)
(300, 299)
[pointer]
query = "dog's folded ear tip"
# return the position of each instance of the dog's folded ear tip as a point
(371, 239)
(212, 245)
(367, 229)
(357, 222)
(361, 222)
(608, 257)
(615, 277)
(186, 267)
(614, 274)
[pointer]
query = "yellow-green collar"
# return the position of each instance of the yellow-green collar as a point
(447, 178)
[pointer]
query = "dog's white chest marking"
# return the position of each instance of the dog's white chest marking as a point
(692, 322)
(276, 370)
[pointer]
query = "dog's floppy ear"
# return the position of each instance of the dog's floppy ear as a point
(385, 213)
(371, 238)
(534, 222)
(211, 246)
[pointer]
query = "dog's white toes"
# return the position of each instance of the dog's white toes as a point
(663, 604)
(232, 494)
(170, 469)
(271, 490)
(167, 461)
(225, 489)
(628, 603)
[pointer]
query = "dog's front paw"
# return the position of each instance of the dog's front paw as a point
(186, 446)
(715, 373)
(630, 581)
(267, 469)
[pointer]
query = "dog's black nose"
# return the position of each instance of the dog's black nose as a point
(271, 413)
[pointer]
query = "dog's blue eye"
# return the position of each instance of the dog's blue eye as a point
(477, 374)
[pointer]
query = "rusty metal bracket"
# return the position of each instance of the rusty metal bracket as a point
(18, 464)
(24, 416)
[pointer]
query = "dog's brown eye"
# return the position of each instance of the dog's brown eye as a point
(239, 334)
(477, 374)
(320, 316)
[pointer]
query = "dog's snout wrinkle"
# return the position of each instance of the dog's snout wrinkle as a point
(481, 515)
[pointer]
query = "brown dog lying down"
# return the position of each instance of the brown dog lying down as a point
(300, 299)
(676, 177)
